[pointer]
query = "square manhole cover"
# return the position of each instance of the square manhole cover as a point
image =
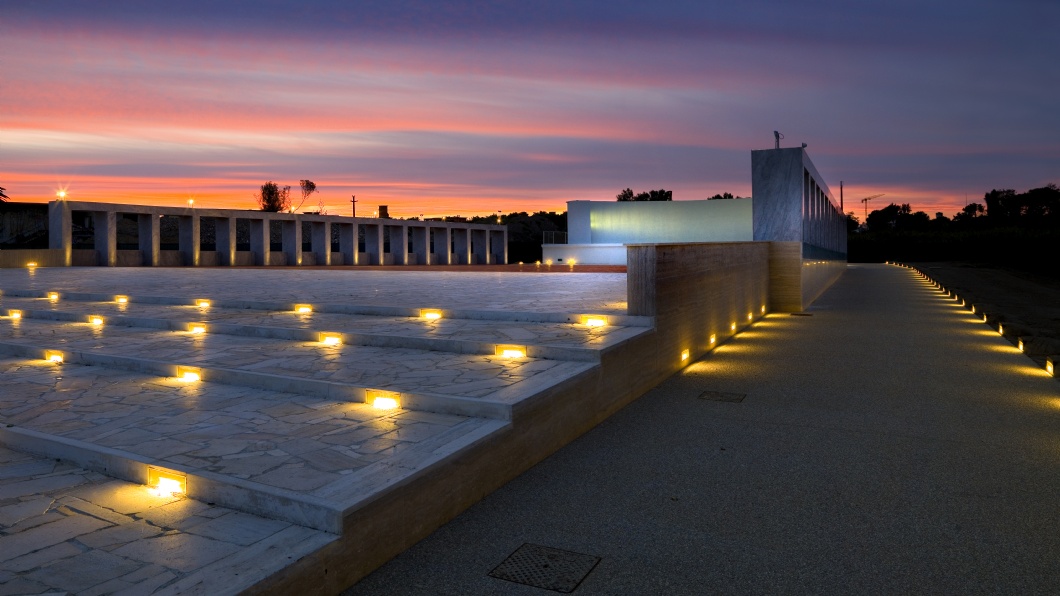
(722, 396)
(546, 567)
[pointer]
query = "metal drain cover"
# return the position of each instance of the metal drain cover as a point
(546, 567)
(722, 396)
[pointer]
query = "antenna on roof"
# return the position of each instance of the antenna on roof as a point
(777, 136)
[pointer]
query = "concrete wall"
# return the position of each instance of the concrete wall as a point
(584, 254)
(630, 222)
(793, 203)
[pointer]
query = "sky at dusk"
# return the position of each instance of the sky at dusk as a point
(446, 108)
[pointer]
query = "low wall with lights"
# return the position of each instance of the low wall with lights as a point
(411, 242)
(699, 294)
(31, 257)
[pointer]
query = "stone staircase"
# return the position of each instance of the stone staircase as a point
(270, 407)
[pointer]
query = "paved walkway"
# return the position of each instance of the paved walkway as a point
(889, 443)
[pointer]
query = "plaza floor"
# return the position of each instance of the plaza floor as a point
(276, 439)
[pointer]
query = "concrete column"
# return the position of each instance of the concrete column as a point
(225, 234)
(480, 241)
(373, 243)
(462, 240)
(60, 231)
(498, 247)
(292, 241)
(150, 238)
(421, 244)
(188, 239)
(444, 237)
(348, 243)
(399, 244)
(259, 241)
(320, 232)
(105, 225)
(805, 203)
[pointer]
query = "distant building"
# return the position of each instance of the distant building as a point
(789, 203)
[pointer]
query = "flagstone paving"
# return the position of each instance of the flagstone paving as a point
(274, 463)
(474, 290)
(490, 331)
(66, 529)
(467, 375)
(286, 441)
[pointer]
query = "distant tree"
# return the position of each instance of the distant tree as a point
(724, 195)
(970, 212)
(272, 198)
(1002, 206)
(852, 222)
(3, 196)
(308, 187)
(651, 195)
(941, 223)
(1041, 206)
(897, 217)
(655, 195)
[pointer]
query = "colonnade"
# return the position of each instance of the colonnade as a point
(410, 242)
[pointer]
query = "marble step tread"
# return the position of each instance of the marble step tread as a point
(560, 341)
(66, 529)
(289, 365)
(291, 457)
(614, 317)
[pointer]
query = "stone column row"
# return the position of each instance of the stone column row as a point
(411, 242)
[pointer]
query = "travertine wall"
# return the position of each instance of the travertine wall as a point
(696, 291)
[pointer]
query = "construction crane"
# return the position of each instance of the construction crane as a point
(866, 200)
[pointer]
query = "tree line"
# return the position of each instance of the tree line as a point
(1009, 228)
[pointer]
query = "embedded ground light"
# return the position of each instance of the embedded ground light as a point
(331, 339)
(202, 303)
(14, 314)
(430, 314)
(163, 483)
(54, 356)
(511, 351)
(197, 328)
(592, 321)
(303, 309)
(382, 400)
(188, 374)
(121, 299)
(96, 320)
(53, 296)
